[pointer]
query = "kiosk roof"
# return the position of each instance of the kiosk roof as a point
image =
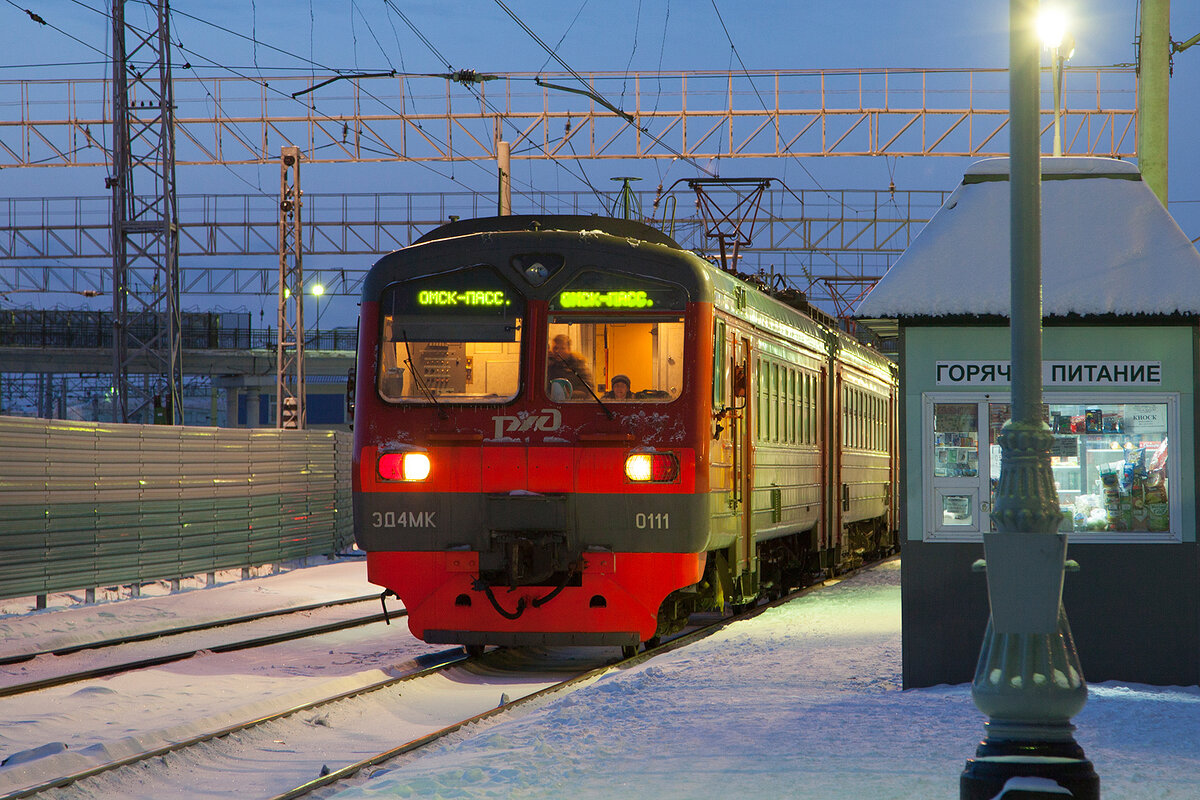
(1108, 247)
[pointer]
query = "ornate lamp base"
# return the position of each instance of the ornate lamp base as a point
(1030, 770)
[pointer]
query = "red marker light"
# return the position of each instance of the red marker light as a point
(404, 466)
(652, 468)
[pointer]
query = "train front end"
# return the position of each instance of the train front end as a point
(531, 431)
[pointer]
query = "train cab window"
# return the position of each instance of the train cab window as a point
(619, 360)
(617, 337)
(451, 338)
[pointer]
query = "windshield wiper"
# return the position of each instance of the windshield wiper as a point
(425, 390)
(595, 396)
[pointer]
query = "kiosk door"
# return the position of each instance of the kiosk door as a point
(957, 467)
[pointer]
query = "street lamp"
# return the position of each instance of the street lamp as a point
(1028, 680)
(1052, 29)
(317, 290)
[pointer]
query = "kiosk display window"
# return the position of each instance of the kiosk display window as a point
(1111, 460)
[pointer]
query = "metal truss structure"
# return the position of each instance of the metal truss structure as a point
(145, 277)
(289, 348)
(694, 115)
(229, 244)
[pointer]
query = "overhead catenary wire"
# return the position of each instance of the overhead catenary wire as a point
(594, 95)
(312, 106)
(762, 102)
(582, 177)
(41, 21)
(183, 49)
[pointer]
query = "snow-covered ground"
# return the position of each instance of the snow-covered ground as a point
(803, 701)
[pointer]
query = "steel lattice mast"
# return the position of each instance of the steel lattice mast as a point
(145, 286)
(289, 347)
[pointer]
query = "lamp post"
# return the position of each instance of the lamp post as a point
(1028, 680)
(1052, 27)
(318, 290)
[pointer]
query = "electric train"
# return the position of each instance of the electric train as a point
(570, 430)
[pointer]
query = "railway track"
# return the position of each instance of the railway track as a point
(178, 630)
(693, 634)
(494, 675)
(119, 666)
(346, 721)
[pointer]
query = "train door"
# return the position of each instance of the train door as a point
(835, 496)
(743, 451)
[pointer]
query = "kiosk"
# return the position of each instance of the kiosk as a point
(1121, 301)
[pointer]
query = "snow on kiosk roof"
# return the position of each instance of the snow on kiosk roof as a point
(1108, 247)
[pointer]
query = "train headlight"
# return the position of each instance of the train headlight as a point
(652, 467)
(409, 466)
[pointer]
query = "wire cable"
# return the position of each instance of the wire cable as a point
(582, 177)
(775, 120)
(38, 19)
(590, 92)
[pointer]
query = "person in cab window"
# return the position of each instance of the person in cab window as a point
(620, 389)
(563, 364)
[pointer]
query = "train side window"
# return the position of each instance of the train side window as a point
(718, 397)
(785, 410)
(804, 408)
(872, 416)
(879, 424)
(854, 418)
(760, 404)
(811, 416)
(858, 419)
(795, 407)
(780, 402)
(845, 415)
(773, 403)
(850, 417)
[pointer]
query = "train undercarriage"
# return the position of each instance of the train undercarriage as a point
(782, 565)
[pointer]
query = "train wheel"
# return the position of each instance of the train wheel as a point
(653, 642)
(629, 650)
(473, 650)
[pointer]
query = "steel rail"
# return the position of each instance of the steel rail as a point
(674, 643)
(155, 661)
(426, 665)
(166, 632)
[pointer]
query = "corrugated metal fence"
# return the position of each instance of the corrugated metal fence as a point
(86, 504)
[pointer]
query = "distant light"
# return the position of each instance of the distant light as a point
(1052, 26)
(318, 289)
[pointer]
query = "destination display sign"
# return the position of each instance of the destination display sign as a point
(610, 299)
(476, 291)
(597, 291)
(449, 298)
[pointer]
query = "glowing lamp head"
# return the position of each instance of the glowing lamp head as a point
(651, 468)
(1052, 27)
(409, 466)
